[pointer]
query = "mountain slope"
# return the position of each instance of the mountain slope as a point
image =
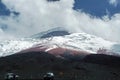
(36, 64)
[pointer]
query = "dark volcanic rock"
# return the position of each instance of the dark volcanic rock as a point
(74, 55)
(110, 60)
(36, 64)
(27, 60)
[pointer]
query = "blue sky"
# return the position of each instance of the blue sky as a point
(97, 8)
(4, 11)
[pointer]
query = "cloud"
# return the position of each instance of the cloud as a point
(39, 15)
(113, 2)
(36, 16)
(106, 28)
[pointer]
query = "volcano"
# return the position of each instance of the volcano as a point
(67, 55)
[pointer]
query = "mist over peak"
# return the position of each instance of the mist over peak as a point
(41, 15)
(53, 0)
(59, 31)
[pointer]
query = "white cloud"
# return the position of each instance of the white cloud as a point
(113, 2)
(39, 15)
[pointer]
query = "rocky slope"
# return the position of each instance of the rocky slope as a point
(33, 65)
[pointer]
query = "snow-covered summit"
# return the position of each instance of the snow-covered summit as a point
(79, 41)
(76, 41)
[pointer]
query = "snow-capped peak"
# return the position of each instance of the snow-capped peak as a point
(80, 41)
(76, 41)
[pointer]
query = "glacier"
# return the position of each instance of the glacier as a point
(76, 41)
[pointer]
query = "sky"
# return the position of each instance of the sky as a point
(98, 8)
(27, 17)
